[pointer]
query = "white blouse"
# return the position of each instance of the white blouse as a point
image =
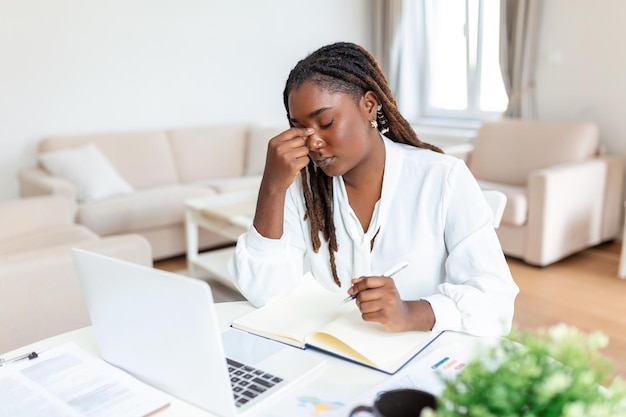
(431, 213)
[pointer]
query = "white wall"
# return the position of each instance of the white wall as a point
(581, 72)
(85, 66)
(91, 66)
(581, 67)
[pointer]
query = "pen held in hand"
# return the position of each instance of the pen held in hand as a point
(397, 268)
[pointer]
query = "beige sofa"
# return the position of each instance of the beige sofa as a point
(40, 295)
(159, 169)
(564, 194)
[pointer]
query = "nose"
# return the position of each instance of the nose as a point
(315, 142)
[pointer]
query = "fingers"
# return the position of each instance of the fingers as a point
(294, 138)
(379, 301)
(287, 154)
(290, 148)
(371, 289)
(363, 284)
(374, 294)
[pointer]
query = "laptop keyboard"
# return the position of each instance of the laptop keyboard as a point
(248, 382)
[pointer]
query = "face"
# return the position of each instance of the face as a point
(343, 137)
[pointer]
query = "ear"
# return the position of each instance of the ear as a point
(370, 103)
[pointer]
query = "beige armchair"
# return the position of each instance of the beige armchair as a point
(40, 295)
(563, 194)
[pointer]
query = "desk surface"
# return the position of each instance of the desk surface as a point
(337, 375)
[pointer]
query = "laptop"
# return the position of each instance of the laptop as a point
(162, 328)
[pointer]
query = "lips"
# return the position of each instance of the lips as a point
(323, 162)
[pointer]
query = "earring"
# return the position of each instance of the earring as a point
(374, 123)
(381, 119)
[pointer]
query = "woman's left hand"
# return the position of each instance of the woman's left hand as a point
(379, 301)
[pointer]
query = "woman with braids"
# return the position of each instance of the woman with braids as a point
(350, 191)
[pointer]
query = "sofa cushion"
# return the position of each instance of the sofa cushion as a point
(507, 151)
(145, 209)
(256, 151)
(208, 152)
(144, 159)
(516, 208)
(94, 177)
(52, 236)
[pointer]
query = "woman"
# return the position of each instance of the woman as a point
(349, 191)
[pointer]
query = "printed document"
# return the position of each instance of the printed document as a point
(67, 381)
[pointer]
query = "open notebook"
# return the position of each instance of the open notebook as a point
(312, 316)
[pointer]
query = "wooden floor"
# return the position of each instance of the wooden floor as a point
(582, 290)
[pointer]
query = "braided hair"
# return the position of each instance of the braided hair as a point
(350, 69)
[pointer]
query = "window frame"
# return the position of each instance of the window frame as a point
(471, 116)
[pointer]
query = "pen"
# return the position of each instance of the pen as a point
(441, 362)
(28, 356)
(397, 268)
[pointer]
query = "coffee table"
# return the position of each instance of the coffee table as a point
(229, 215)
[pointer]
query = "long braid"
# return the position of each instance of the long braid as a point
(343, 68)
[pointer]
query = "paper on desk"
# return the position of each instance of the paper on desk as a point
(421, 373)
(428, 372)
(303, 403)
(67, 381)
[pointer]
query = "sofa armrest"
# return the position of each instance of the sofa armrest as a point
(565, 205)
(40, 295)
(613, 197)
(36, 181)
(32, 214)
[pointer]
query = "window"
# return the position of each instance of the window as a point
(458, 59)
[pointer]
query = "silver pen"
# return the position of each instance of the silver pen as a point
(29, 356)
(394, 270)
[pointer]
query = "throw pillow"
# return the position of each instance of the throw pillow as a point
(89, 170)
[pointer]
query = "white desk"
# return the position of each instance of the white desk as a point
(336, 375)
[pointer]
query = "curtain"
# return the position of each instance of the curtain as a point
(519, 27)
(392, 38)
(387, 32)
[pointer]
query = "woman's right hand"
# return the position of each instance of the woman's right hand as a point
(287, 154)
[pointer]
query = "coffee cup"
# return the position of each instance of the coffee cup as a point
(398, 403)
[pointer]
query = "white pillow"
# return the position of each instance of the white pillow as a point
(89, 170)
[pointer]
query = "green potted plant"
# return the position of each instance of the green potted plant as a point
(555, 372)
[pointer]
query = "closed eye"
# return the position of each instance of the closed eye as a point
(327, 125)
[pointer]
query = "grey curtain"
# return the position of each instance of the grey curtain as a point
(391, 37)
(519, 27)
(387, 33)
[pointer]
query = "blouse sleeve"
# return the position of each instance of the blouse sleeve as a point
(478, 294)
(263, 269)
